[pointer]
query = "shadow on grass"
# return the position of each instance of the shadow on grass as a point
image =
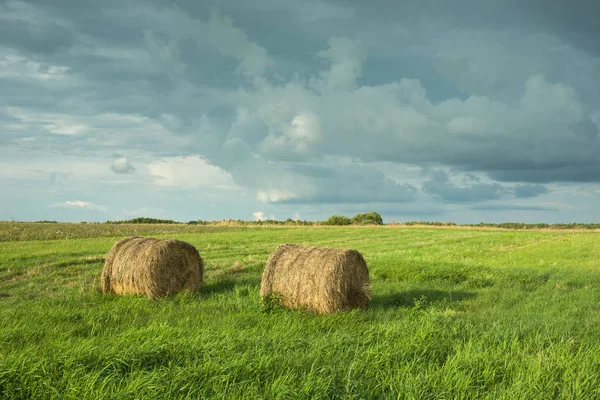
(4, 296)
(226, 285)
(76, 262)
(410, 298)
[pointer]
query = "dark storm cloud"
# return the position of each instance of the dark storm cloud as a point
(587, 130)
(440, 186)
(509, 207)
(271, 91)
(473, 190)
(410, 212)
(578, 172)
(576, 21)
(527, 190)
(354, 184)
(39, 39)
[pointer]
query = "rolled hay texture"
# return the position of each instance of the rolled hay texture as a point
(320, 279)
(154, 267)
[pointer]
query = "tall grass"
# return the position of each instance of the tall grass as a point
(455, 314)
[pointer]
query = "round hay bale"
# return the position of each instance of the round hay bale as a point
(154, 267)
(320, 279)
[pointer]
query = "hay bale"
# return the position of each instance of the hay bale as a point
(320, 279)
(154, 267)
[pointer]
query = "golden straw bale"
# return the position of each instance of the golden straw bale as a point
(154, 267)
(323, 280)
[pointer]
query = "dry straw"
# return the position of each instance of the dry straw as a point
(154, 267)
(319, 279)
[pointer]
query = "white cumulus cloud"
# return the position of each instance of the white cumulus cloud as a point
(189, 172)
(273, 196)
(80, 204)
(122, 166)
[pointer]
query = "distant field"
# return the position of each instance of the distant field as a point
(17, 231)
(455, 313)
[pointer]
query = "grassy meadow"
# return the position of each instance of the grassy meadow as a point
(455, 314)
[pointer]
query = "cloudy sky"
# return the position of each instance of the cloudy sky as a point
(461, 111)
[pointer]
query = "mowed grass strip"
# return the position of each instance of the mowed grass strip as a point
(454, 314)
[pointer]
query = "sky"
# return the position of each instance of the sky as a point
(466, 111)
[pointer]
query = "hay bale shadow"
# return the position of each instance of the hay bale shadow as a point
(76, 262)
(410, 298)
(226, 285)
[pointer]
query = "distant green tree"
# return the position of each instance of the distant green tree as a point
(370, 218)
(338, 220)
(144, 220)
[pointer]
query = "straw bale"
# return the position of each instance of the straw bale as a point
(154, 267)
(323, 280)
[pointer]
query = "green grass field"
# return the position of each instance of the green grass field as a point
(455, 314)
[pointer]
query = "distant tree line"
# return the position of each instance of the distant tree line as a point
(520, 225)
(369, 218)
(430, 223)
(144, 220)
(509, 225)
